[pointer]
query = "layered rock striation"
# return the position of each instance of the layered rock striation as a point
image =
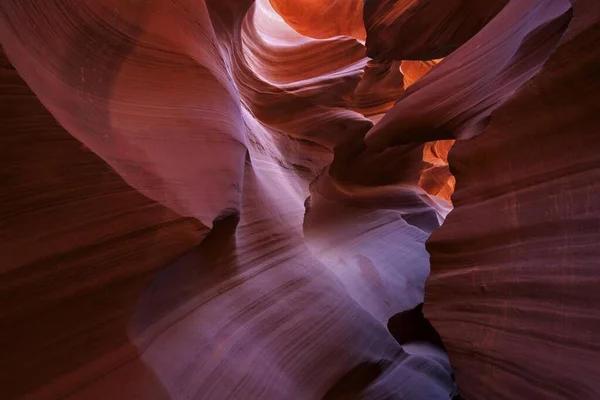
(241, 199)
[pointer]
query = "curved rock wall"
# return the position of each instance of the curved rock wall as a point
(513, 288)
(78, 246)
(303, 180)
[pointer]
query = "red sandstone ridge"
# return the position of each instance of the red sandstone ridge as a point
(323, 19)
(246, 200)
(424, 29)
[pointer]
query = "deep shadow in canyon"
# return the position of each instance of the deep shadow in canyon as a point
(300, 199)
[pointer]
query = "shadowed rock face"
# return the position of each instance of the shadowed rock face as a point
(240, 200)
(424, 29)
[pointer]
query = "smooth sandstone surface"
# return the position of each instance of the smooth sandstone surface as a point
(423, 29)
(241, 199)
(514, 296)
(322, 19)
(78, 247)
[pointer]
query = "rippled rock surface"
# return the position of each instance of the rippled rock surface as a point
(237, 199)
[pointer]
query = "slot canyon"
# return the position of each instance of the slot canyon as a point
(300, 199)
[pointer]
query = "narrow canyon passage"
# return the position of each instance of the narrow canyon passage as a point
(245, 199)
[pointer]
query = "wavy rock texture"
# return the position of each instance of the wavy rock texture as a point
(323, 19)
(423, 29)
(78, 247)
(497, 61)
(303, 180)
(513, 289)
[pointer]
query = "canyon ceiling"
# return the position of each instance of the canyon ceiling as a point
(241, 199)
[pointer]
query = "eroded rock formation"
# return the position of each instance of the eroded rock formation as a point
(302, 170)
